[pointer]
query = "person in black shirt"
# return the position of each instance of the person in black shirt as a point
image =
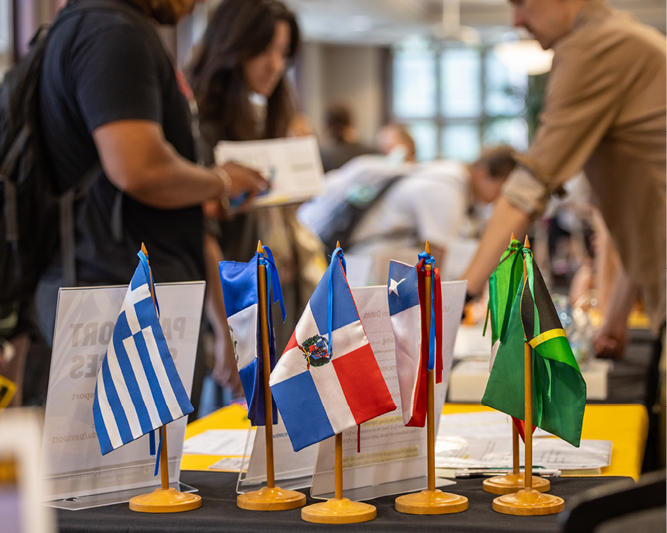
(109, 91)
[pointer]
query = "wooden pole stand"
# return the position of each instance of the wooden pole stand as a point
(166, 499)
(339, 510)
(514, 481)
(528, 501)
(269, 498)
(431, 500)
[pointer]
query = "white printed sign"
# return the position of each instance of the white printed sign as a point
(389, 458)
(293, 166)
(71, 457)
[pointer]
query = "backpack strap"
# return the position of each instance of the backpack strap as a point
(8, 164)
(361, 211)
(67, 220)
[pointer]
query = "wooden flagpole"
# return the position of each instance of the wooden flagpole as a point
(514, 481)
(338, 510)
(165, 499)
(269, 498)
(431, 500)
(528, 501)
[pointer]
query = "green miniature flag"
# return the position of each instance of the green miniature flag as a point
(503, 284)
(559, 390)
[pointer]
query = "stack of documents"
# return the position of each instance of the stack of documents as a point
(484, 440)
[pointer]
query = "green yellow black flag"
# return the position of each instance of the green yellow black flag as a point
(559, 390)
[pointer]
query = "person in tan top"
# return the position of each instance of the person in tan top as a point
(604, 112)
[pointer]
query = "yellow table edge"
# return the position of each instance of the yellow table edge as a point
(625, 425)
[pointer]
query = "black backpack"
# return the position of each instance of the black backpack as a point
(34, 219)
(347, 215)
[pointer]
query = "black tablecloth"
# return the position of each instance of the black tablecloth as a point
(219, 512)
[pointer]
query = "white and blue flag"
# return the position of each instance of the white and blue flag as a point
(138, 387)
(241, 293)
(416, 354)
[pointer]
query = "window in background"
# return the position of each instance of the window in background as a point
(415, 81)
(460, 87)
(456, 99)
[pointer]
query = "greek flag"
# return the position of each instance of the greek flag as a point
(138, 388)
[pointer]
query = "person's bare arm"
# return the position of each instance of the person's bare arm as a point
(611, 338)
(505, 220)
(138, 160)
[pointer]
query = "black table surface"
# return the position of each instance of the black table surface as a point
(219, 512)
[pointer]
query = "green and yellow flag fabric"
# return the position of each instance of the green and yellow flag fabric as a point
(559, 390)
(503, 284)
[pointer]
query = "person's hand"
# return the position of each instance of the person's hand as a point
(214, 209)
(610, 341)
(244, 180)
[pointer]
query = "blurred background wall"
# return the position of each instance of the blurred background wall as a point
(452, 70)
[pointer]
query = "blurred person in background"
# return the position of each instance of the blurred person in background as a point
(341, 140)
(395, 141)
(438, 201)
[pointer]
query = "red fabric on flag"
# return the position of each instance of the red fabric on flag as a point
(292, 343)
(357, 373)
(521, 428)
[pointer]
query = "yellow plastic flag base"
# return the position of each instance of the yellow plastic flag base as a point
(510, 483)
(165, 501)
(339, 511)
(271, 499)
(431, 502)
(528, 503)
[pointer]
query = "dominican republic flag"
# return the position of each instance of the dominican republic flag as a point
(415, 353)
(328, 379)
(138, 388)
(240, 289)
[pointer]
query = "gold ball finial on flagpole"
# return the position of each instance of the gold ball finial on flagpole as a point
(526, 243)
(427, 248)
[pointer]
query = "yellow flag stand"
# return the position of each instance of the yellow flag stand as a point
(528, 501)
(431, 500)
(514, 481)
(269, 498)
(165, 499)
(338, 510)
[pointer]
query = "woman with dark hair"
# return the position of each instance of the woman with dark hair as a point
(244, 52)
(237, 76)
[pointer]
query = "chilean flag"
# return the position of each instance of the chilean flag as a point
(328, 379)
(415, 354)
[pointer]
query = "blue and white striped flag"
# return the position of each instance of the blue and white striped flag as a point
(240, 288)
(138, 387)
